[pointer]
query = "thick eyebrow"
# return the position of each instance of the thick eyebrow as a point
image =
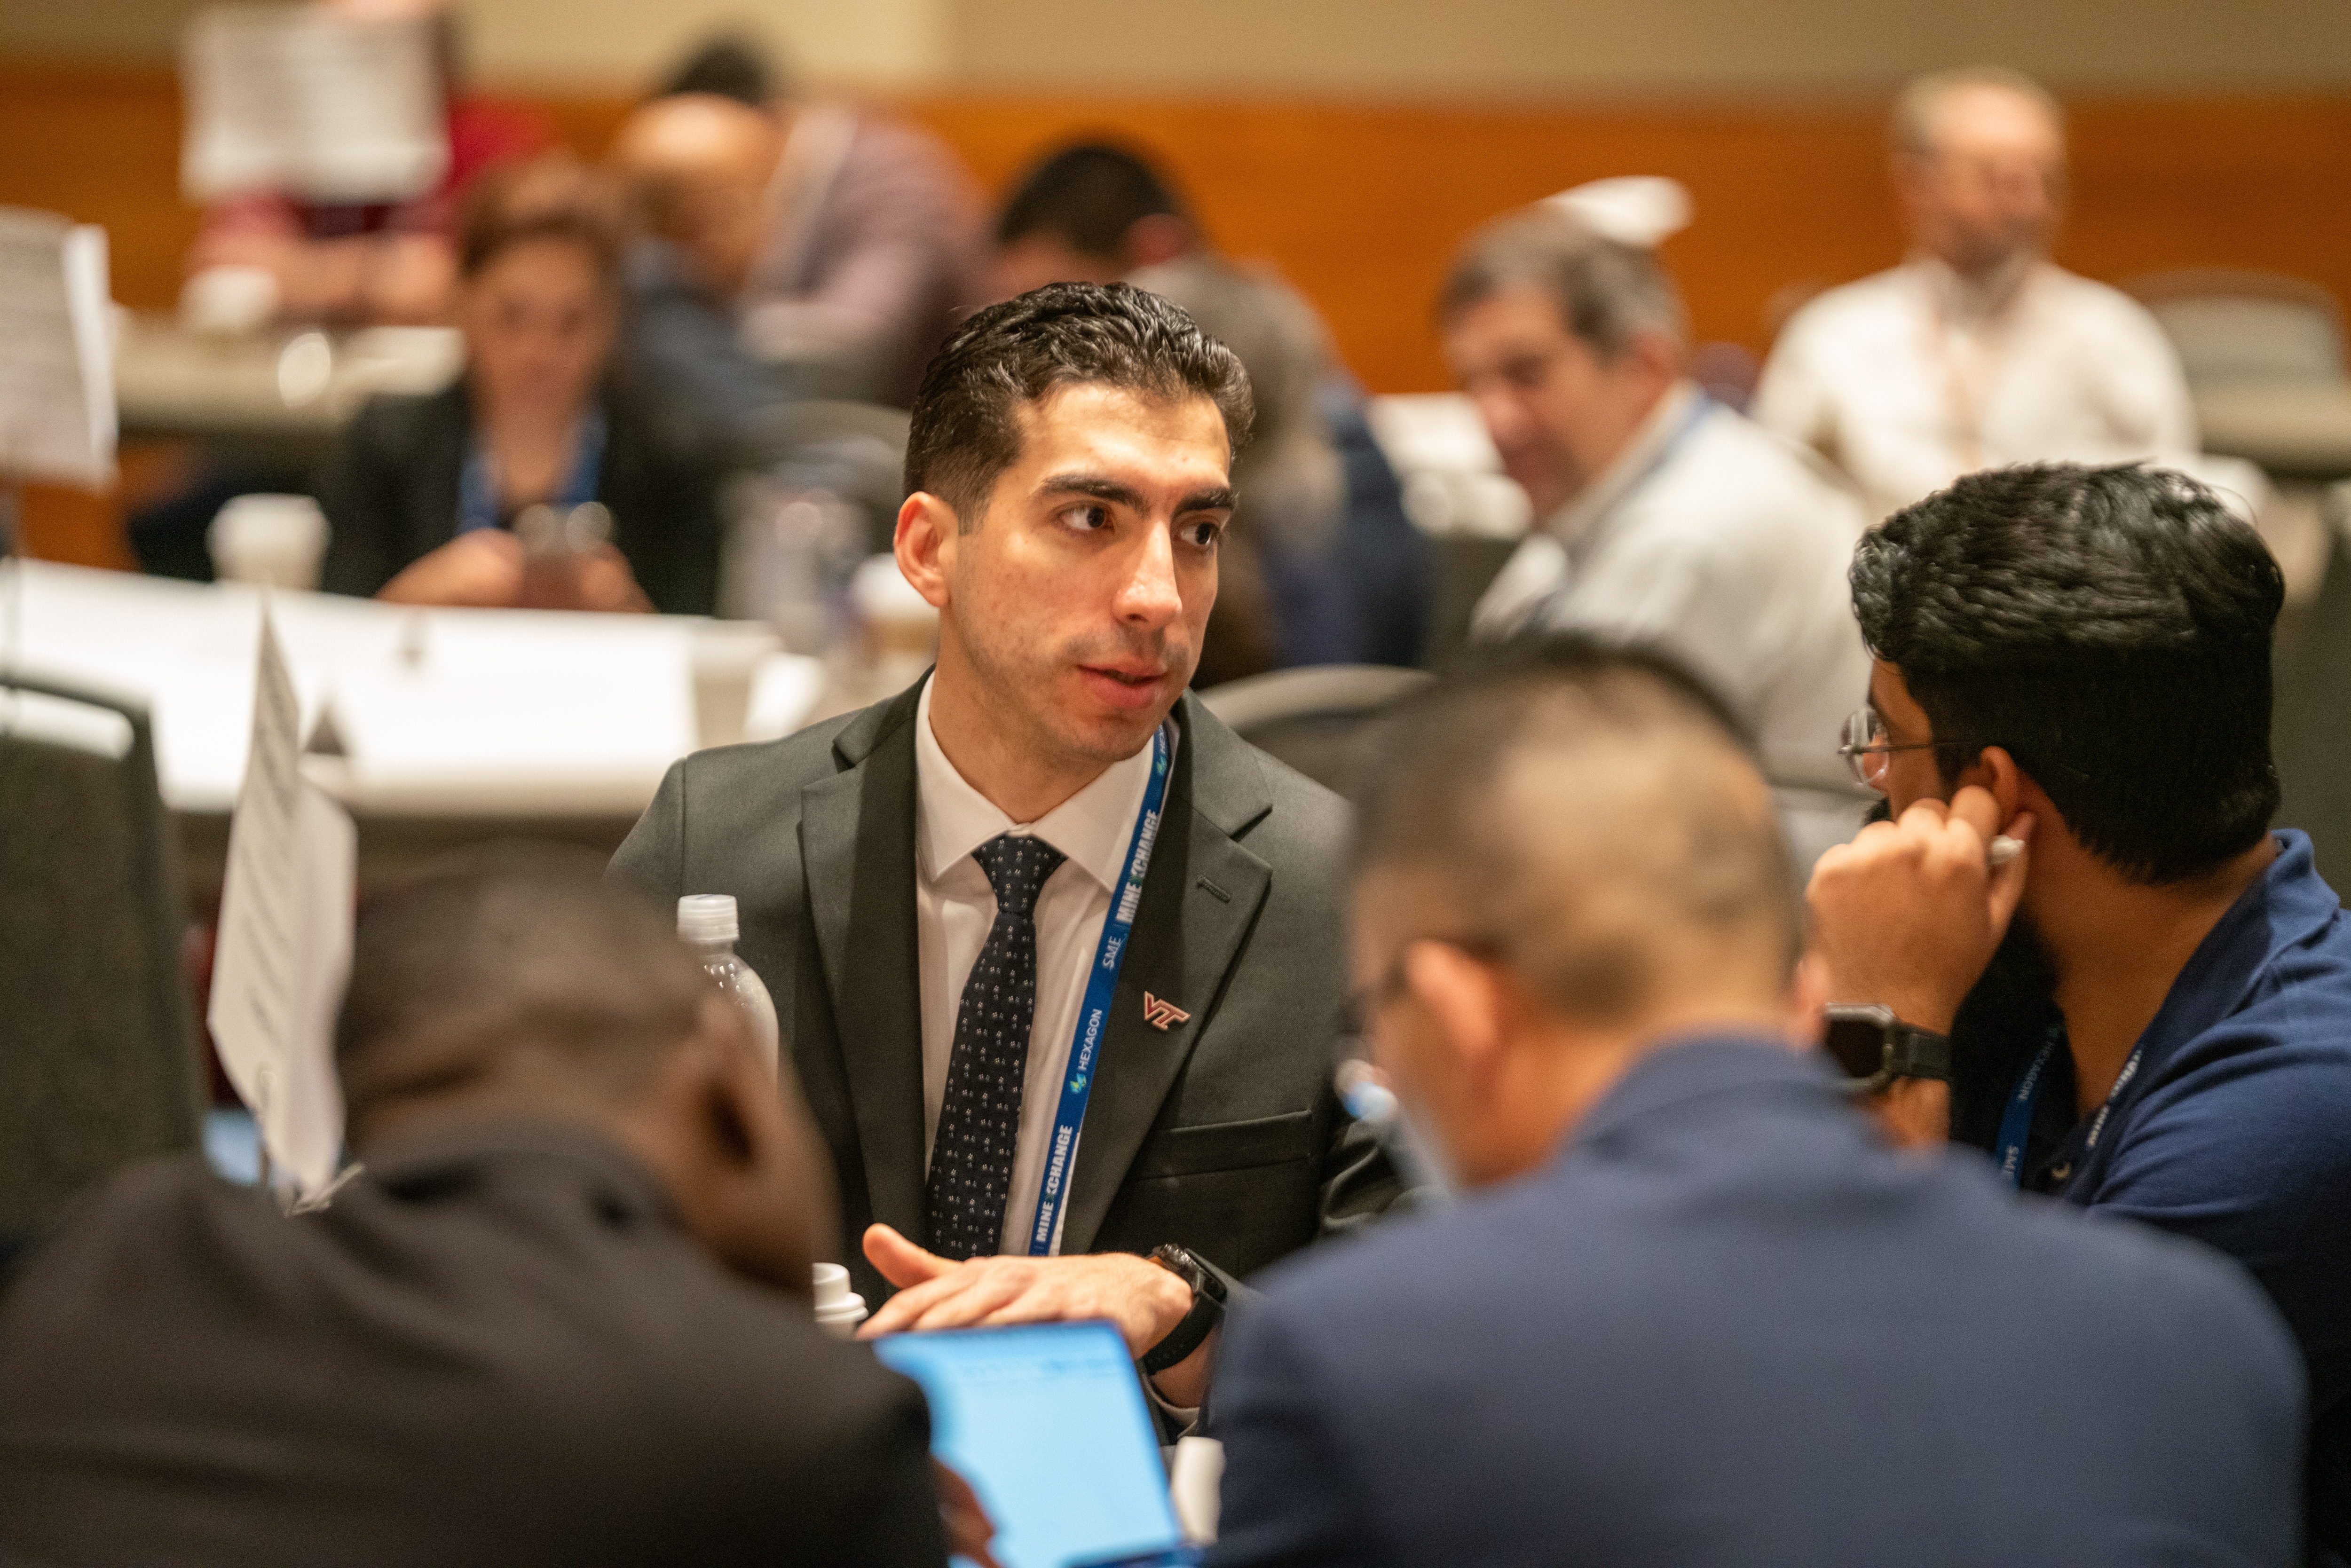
(1219, 498)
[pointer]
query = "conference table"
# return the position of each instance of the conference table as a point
(436, 728)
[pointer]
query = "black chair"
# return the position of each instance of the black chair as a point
(1313, 717)
(99, 1048)
(2310, 732)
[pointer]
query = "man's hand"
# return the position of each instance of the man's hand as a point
(1910, 913)
(968, 1528)
(1913, 1112)
(1143, 1299)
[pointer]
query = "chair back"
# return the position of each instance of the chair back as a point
(99, 1061)
(2234, 327)
(1313, 718)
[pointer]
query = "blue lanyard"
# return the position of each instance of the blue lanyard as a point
(477, 482)
(2016, 1122)
(1101, 981)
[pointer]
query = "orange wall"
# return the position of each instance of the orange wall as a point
(1360, 203)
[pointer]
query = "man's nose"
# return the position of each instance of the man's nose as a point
(1148, 595)
(1500, 413)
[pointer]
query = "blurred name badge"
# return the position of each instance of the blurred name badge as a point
(56, 374)
(326, 108)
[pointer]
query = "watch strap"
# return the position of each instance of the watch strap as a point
(1194, 1328)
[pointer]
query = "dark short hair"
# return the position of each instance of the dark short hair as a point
(965, 426)
(1087, 196)
(1607, 292)
(727, 65)
(2110, 628)
(1649, 817)
(553, 198)
(516, 946)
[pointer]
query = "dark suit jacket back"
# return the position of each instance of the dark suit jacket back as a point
(495, 1346)
(1726, 1325)
(1221, 1134)
(389, 493)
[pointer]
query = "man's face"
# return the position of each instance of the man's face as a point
(1908, 776)
(1994, 186)
(1079, 599)
(1037, 258)
(1558, 413)
(1407, 1043)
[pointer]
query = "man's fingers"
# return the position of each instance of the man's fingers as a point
(900, 1261)
(902, 1311)
(1976, 805)
(2008, 881)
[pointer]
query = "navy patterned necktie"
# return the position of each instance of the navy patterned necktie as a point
(979, 1121)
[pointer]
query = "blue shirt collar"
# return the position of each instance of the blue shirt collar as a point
(1696, 1067)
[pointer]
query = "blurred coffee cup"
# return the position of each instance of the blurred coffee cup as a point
(229, 300)
(901, 628)
(726, 658)
(270, 541)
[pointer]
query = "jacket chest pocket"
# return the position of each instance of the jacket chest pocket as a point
(1227, 1147)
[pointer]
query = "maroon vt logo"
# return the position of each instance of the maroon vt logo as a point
(1161, 1015)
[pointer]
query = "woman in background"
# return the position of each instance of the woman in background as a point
(538, 478)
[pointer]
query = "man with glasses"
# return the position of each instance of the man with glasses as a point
(1692, 1309)
(2077, 661)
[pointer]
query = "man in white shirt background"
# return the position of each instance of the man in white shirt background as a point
(1661, 515)
(1979, 352)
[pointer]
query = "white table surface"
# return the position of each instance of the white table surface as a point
(522, 713)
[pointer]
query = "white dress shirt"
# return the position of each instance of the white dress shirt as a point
(955, 906)
(1729, 547)
(1911, 378)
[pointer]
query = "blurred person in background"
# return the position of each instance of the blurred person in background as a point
(2150, 1007)
(1358, 591)
(561, 1315)
(1978, 351)
(344, 264)
(1690, 1308)
(1661, 515)
(798, 247)
(450, 498)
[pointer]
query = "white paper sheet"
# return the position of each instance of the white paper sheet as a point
(56, 380)
(300, 100)
(285, 944)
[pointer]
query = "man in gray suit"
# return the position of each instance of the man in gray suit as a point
(1022, 1091)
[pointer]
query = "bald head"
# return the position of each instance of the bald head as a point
(700, 165)
(1979, 165)
(1591, 819)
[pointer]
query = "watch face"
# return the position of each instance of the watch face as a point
(1857, 1045)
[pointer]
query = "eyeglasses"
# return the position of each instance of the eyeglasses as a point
(1866, 749)
(1366, 1001)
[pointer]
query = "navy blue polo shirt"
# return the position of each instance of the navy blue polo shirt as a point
(2236, 1129)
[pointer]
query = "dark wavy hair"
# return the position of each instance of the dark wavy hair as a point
(966, 429)
(2110, 628)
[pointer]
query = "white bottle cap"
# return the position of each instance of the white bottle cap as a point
(838, 1309)
(706, 917)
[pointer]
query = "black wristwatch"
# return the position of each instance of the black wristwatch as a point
(1874, 1047)
(1207, 1309)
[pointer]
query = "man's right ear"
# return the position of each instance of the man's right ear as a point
(924, 545)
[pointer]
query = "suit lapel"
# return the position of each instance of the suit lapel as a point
(857, 843)
(1185, 941)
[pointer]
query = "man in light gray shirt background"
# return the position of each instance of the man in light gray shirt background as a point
(1661, 516)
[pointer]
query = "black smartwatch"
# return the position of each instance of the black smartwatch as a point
(1207, 1310)
(1874, 1047)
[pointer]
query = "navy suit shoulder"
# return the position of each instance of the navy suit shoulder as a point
(1725, 1327)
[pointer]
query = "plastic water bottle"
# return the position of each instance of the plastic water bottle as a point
(707, 923)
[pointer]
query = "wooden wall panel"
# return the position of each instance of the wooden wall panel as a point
(1361, 204)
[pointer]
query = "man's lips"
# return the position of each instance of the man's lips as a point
(1123, 687)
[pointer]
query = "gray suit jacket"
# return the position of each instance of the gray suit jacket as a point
(1221, 1134)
